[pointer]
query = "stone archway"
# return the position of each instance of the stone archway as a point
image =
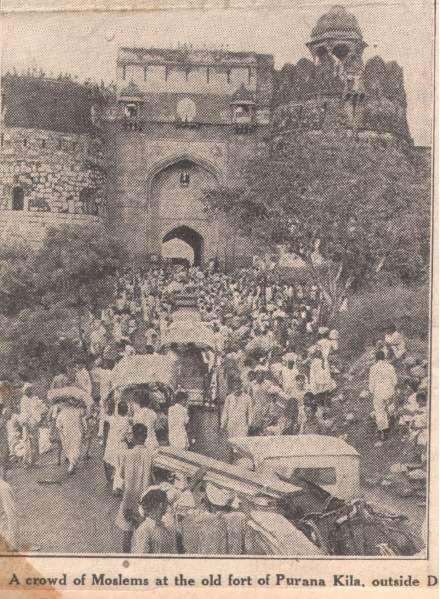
(189, 236)
(175, 209)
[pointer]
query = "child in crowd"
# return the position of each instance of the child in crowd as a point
(311, 425)
(136, 474)
(152, 536)
(419, 427)
(408, 409)
(145, 415)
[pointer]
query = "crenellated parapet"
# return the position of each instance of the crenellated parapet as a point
(137, 156)
(53, 167)
(335, 90)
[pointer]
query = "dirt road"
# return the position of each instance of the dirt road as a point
(76, 514)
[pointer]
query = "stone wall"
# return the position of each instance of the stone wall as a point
(33, 226)
(162, 107)
(57, 172)
(385, 105)
(140, 158)
(67, 151)
(190, 71)
(313, 97)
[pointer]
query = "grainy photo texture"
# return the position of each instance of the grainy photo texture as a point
(215, 280)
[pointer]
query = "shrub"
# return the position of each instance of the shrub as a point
(370, 312)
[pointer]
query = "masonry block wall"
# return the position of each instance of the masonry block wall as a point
(52, 168)
(58, 172)
(138, 157)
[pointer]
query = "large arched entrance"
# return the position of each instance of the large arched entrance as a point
(178, 224)
(180, 237)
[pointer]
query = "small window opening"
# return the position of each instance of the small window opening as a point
(184, 179)
(87, 201)
(319, 476)
(131, 111)
(17, 198)
(341, 51)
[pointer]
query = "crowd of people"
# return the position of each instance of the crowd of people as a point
(272, 368)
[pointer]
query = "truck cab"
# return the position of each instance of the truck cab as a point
(327, 461)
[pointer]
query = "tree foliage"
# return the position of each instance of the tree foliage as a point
(46, 296)
(74, 267)
(368, 204)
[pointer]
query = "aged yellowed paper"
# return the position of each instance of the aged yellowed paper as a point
(218, 304)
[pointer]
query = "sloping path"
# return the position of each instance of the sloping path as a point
(74, 515)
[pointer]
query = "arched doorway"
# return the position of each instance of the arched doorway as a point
(176, 209)
(188, 236)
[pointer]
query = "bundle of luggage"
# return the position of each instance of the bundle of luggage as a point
(349, 527)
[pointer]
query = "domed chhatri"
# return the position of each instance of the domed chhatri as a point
(136, 156)
(337, 33)
(337, 22)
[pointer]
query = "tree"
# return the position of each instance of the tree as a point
(46, 297)
(39, 342)
(362, 202)
(15, 274)
(74, 266)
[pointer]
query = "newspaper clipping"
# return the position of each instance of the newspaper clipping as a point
(218, 298)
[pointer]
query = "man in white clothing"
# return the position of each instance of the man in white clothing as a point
(237, 412)
(382, 383)
(288, 377)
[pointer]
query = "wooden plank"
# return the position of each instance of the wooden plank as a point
(237, 486)
(232, 477)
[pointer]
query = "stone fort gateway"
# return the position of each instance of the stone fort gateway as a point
(136, 157)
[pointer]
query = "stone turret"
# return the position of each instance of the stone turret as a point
(337, 45)
(334, 93)
(337, 38)
(52, 163)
